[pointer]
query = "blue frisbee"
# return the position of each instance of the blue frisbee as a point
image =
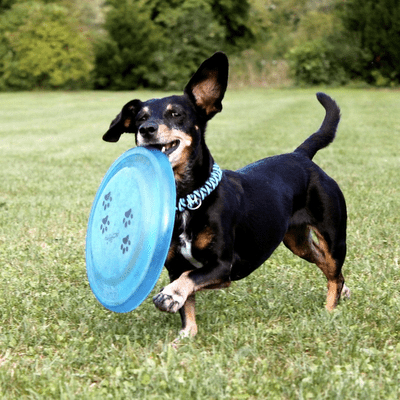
(130, 228)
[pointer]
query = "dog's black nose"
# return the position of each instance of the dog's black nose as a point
(148, 129)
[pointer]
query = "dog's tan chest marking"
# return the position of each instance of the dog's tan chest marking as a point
(204, 238)
(171, 252)
(185, 247)
(186, 250)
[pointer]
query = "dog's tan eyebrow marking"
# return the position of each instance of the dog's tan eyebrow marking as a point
(127, 122)
(145, 109)
(171, 108)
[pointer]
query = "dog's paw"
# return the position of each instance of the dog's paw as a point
(346, 292)
(169, 302)
(183, 334)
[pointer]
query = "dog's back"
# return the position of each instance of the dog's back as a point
(289, 184)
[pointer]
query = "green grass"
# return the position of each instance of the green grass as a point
(266, 337)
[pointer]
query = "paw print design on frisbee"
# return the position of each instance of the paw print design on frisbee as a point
(125, 244)
(128, 217)
(107, 200)
(104, 225)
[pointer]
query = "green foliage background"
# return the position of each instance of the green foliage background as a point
(42, 47)
(131, 44)
(159, 43)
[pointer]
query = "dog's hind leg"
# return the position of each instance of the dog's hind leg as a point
(299, 240)
(331, 267)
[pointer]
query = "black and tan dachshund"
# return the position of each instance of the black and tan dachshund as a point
(228, 223)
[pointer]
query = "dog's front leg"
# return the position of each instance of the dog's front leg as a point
(174, 296)
(188, 317)
(188, 313)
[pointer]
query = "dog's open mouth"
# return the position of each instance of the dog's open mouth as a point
(167, 148)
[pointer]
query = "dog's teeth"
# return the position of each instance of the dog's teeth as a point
(168, 146)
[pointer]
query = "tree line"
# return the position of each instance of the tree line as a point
(131, 44)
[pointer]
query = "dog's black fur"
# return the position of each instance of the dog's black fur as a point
(282, 198)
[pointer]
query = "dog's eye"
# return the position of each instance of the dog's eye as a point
(143, 118)
(175, 114)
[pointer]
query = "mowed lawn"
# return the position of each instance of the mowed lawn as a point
(266, 337)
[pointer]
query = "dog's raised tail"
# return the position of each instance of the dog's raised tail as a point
(326, 133)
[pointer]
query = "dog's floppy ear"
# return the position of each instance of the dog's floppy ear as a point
(207, 87)
(123, 122)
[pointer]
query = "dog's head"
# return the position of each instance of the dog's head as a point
(176, 124)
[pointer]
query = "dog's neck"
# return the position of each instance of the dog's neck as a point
(197, 172)
(194, 200)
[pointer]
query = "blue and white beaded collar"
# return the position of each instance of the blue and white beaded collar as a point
(194, 200)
